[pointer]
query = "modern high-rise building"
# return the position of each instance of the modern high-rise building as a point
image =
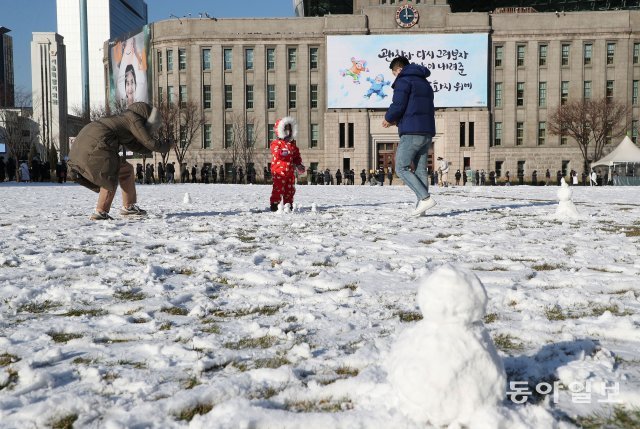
(48, 80)
(6, 69)
(85, 27)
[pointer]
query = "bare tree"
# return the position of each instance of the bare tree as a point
(169, 131)
(98, 111)
(12, 123)
(243, 143)
(188, 122)
(590, 123)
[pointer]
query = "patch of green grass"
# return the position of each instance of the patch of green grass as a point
(323, 405)
(211, 329)
(91, 312)
(494, 268)
(291, 319)
(38, 307)
(7, 359)
(11, 380)
(264, 310)
(129, 295)
(138, 320)
(190, 383)
(83, 361)
(252, 343)
(245, 238)
(107, 340)
(427, 241)
(165, 326)
(187, 414)
(347, 371)
(632, 232)
(65, 422)
(314, 274)
(131, 363)
(490, 318)
(264, 393)
(322, 264)
(185, 271)
(63, 337)
(276, 262)
(506, 342)
(512, 303)
(554, 313)
(618, 418)
(546, 267)
(351, 286)
(408, 316)
(599, 310)
(175, 311)
(272, 362)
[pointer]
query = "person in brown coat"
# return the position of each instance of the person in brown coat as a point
(97, 164)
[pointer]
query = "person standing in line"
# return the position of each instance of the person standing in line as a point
(363, 177)
(25, 176)
(443, 166)
(97, 165)
(2, 168)
(534, 178)
(285, 159)
(413, 112)
(594, 178)
(547, 177)
(559, 177)
(171, 171)
(483, 178)
(458, 175)
(464, 177)
(390, 175)
(338, 177)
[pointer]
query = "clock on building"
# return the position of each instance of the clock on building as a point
(407, 16)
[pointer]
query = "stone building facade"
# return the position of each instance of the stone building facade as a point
(264, 69)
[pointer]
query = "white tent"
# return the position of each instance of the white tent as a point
(623, 163)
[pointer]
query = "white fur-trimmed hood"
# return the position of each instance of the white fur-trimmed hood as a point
(281, 123)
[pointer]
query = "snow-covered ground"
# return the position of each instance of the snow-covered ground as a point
(219, 314)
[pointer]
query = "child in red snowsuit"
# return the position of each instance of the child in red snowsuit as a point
(286, 158)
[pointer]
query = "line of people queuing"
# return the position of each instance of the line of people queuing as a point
(34, 171)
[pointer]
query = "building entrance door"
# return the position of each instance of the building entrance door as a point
(386, 155)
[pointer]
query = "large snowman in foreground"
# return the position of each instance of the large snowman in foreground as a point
(445, 369)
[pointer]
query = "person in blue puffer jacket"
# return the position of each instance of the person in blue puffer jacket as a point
(413, 112)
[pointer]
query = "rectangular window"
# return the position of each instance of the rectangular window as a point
(183, 95)
(497, 134)
(342, 135)
(170, 98)
(169, 60)
(314, 96)
(542, 55)
(636, 53)
(519, 133)
(271, 96)
(293, 96)
(611, 52)
(159, 60)
(463, 133)
(472, 132)
(315, 135)
(183, 136)
(271, 134)
(228, 97)
(542, 94)
(520, 170)
(249, 96)
(182, 59)
(563, 139)
(228, 135)
(586, 91)
(248, 59)
(565, 167)
(499, 165)
(313, 58)
(271, 58)
(206, 59)
(206, 96)
(634, 93)
(498, 94)
(542, 133)
(250, 135)
(520, 55)
(351, 139)
(564, 92)
(206, 136)
(520, 94)
(565, 54)
(634, 131)
(609, 90)
(498, 55)
(160, 98)
(292, 56)
(588, 53)
(227, 55)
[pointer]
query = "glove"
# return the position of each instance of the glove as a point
(301, 169)
(284, 152)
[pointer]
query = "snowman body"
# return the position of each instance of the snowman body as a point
(445, 368)
(566, 208)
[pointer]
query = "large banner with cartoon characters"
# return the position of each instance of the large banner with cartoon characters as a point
(129, 71)
(358, 74)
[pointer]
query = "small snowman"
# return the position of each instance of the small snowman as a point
(445, 369)
(566, 209)
(187, 198)
(314, 208)
(287, 208)
(280, 207)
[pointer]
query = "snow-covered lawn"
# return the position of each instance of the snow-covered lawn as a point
(219, 314)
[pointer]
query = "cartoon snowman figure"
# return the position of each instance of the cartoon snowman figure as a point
(445, 368)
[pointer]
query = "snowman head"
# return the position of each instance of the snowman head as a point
(451, 295)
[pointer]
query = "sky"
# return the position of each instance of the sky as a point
(223, 313)
(25, 17)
